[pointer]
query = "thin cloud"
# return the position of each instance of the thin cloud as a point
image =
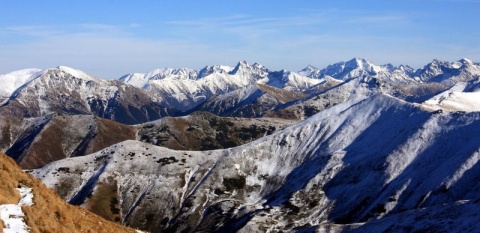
(97, 26)
(34, 31)
(380, 19)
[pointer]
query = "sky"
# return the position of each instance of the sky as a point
(109, 39)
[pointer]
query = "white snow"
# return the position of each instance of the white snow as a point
(77, 73)
(455, 101)
(12, 81)
(12, 214)
(185, 88)
(26, 196)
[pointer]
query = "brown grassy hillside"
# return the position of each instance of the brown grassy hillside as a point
(49, 213)
(206, 131)
(33, 144)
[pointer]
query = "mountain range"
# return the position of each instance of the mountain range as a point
(353, 147)
(244, 90)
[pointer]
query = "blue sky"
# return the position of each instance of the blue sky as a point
(112, 38)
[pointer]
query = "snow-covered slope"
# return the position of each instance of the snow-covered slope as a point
(250, 101)
(461, 216)
(366, 158)
(324, 97)
(456, 99)
(143, 80)
(12, 81)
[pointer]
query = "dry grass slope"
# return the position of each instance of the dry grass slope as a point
(49, 212)
(109, 133)
(62, 137)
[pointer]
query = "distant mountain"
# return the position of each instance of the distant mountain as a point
(188, 89)
(251, 101)
(246, 90)
(214, 91)
(14, 80)
(463, 70)
(69, 91)
(370, 159)
(356, 67)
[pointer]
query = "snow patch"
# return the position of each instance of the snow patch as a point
(12, 214)
(455, 101)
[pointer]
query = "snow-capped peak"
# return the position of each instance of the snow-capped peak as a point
(207, 70)
(245, 71)
(357, 63)
(310, 71)
(449, 72)
(182, 73)
(78, 73)
(462, 62)
(355, 67)
(465, 61)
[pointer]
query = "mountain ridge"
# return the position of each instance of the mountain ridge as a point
(349, 163)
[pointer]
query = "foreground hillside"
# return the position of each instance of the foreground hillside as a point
(49, 213)
(368, 160)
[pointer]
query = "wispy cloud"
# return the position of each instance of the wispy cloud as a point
(35, 31)
(379, 19)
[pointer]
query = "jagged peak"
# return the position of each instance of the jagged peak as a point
(207, 70)
(310, 68)
(242, 63)
(243, 66)
(360, 60)
(168, 72)
(465, 61)
(388, 66)
(258, 66)
(437, 62)
(310, 71)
